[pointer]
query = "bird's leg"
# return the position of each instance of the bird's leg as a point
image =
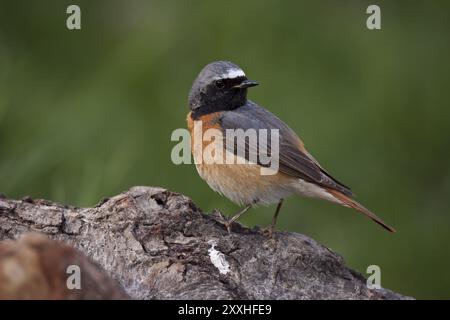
(269, 230)
(235, 217)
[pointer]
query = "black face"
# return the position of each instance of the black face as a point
(211, 92)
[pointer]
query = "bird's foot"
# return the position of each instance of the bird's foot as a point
(223, 220)
(228, 226)
(268, 231)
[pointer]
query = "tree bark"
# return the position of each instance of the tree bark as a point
(159, 245)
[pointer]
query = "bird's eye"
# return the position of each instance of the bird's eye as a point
(219, 84)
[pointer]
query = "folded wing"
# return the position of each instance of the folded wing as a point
(294, 160)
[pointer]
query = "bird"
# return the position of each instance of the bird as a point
(218, 101)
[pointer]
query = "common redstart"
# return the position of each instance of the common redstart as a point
(218, 100)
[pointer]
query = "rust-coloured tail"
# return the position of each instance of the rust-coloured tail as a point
(347, 201)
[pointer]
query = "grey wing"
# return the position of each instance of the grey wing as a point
(294, 160)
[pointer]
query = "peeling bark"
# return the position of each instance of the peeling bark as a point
(159, 245)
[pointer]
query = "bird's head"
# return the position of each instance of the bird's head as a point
(220, 86)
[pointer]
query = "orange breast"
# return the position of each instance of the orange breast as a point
(241, 183)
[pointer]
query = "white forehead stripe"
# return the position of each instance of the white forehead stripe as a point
(231, 74)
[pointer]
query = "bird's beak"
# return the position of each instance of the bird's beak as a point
(246, 84)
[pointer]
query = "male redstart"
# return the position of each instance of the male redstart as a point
(218, 100)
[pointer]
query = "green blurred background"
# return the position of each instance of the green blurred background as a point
(87, 114)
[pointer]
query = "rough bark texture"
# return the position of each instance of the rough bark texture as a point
(158, 245)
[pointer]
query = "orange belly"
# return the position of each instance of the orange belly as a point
(243, 183)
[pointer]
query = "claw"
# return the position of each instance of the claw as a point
(217, 213)
(229, 222)
(219, 217)
(228, 225)
(268, 231)
(223, 220)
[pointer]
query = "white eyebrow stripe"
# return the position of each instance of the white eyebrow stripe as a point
(231, 74)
